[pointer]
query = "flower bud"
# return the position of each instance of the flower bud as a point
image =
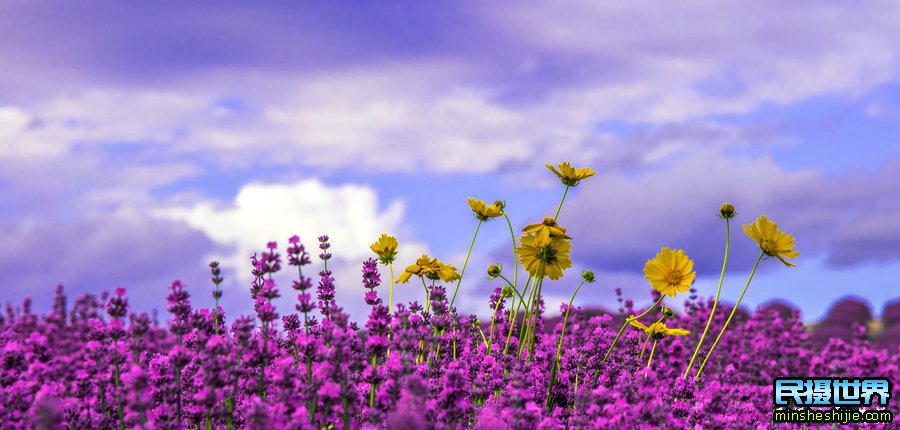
(587, 275)
(500, 204)
(668, 313)
(726, 211)
(494, 271)
(507, 292)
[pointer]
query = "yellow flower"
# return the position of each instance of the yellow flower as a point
(485, 212)
(554, 254)
(422, 264)
(444, 272)
(385, 248)
(546, 230)
(637, 324)
(430, 268)
(772, 241)
(670, 272)
(658, 330)
(569, 175)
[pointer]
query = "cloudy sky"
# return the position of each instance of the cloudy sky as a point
(138, 142)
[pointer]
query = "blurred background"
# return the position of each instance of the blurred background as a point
(139, 141)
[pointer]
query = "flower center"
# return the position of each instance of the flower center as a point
(547, 254)
(674, 278)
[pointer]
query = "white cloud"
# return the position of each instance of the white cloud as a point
(348, 214)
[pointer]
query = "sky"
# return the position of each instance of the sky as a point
(141, 140)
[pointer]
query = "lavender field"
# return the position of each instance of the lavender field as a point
(449, 215)
(92, 362)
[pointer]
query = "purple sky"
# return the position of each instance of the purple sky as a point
(139, 141)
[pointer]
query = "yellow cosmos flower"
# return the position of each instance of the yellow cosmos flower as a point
(658, 330)
(670, 272)
(569, 175)
(386, 248)
(554, 254)
(546, 230)
(637, 324)
(444, 272)
(483, 211)
(430, 268)
(772, 241)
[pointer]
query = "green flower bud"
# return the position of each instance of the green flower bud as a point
(668, 313)
(726, 211)
(587, 275)
(507, 292)
(494, 271)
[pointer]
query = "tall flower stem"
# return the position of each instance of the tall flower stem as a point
(512, 235)
(390, 306)
(391, 290)
(513, 286)
(491, 331)
(644, 346)
(531, 333)
(427, 301)
(625, 324)
(523, 329)
(427, 308)
(554, 368)
(650, 360)
(715, 303)
(515, 316)
(733, 311)
(462, 272)
(372, 387)
(558, 208)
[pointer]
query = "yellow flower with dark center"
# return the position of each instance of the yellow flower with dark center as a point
(569, 175)
(430, 268)
(546, 230)
(671, 272)
(772, 241)
(485, 212)
(554, 254)
(386, 248)
(658, 330)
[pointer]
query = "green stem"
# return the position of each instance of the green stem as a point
(391, 290)
(427, 301)
(733, 310)
(493, 319)
(628, 320)
(427, 308)
(372, 387)
(554, 368)
(390, 305)
(523, 329)
(216, 312)
(512, 235)
(715, 303)
(511, 285)
(651, 354)
(515, 317)
(536, 304)
(560, 203)
(465, 263)
(644, 346)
